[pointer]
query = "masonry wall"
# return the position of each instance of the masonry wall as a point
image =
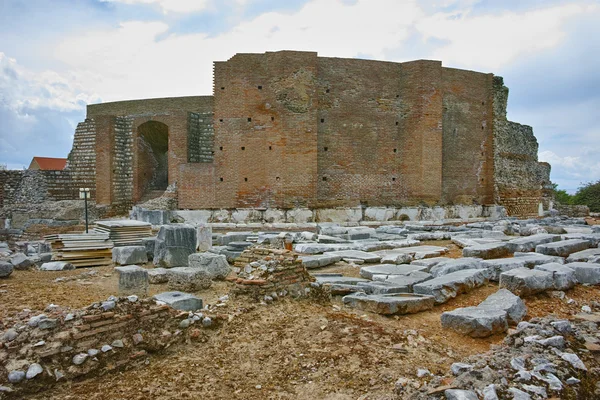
(81, 161)
(265, 130)
(520, 180)
(36, 186)
(468, 141)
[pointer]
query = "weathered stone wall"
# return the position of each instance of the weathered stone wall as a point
(82, 158)
(520, 180)
(122, 164)
(151, 106)
(36, 186)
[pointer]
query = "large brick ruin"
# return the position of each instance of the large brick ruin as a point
(288, 129)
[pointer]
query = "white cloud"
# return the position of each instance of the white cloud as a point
(493, 41)
(22, 90)
(174, 6)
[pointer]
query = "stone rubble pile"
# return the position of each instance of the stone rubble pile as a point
(542, 358)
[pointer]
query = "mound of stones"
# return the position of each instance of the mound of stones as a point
(542, 358)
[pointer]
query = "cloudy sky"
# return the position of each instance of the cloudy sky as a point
(56, 56)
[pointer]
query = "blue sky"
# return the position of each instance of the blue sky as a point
(56, 56)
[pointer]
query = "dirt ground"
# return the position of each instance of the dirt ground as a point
(285, 350)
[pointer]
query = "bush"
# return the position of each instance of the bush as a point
(589, 195)
(561, 196)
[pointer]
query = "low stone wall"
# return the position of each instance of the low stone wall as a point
(573, 211)
(267, 274)
(355, 215)
(75, 344)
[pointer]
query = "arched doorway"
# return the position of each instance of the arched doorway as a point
(152, 159)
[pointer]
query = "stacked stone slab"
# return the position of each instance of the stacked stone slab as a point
(174, 244)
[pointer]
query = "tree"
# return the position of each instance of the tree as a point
(561, 195)
(589, 195)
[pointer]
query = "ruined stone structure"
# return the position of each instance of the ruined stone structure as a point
(290, 129)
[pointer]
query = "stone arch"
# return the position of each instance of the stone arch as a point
(152, 159)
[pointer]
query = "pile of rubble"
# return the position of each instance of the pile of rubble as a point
(542, 358)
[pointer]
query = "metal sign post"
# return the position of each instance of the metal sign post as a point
(84, 193)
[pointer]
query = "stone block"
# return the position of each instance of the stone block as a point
(132, 280)
(487, 251)
(562, 248)
(129, 255)
(500, 265)
(563, 276)
(356, 255)
(387, 270)
(506, 301)
(20, 261)
(5, 269)
(584, 255)
(57, 266)
(525, 281)
(533, 259)
(390, 304)
(475, 321)
(448, 286)
(452, 265)
(180, 301)
(528, 243)
(158, 275)
(317, 261)
(188, 279)
(229, 237)
(215, 265)
(588, 273)
(203, 237)
(174, 244)
(149, 243)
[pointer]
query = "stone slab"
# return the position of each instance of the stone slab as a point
(389, 270)
(506, 301)
(445, 287)
(487, 251)
(588, 273)
(563, 248)
(180, 300)
(318, 261)
(457, 264)
(528, 243)
(57, 266)
(390, 304)
(356, 254)
(584, 255)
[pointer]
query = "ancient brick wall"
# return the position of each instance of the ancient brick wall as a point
(74, 344)
(520, 180)
(266, 130)
(468, 145)
(151, 106)
(291, 130)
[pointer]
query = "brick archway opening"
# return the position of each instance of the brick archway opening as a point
(152, 159)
